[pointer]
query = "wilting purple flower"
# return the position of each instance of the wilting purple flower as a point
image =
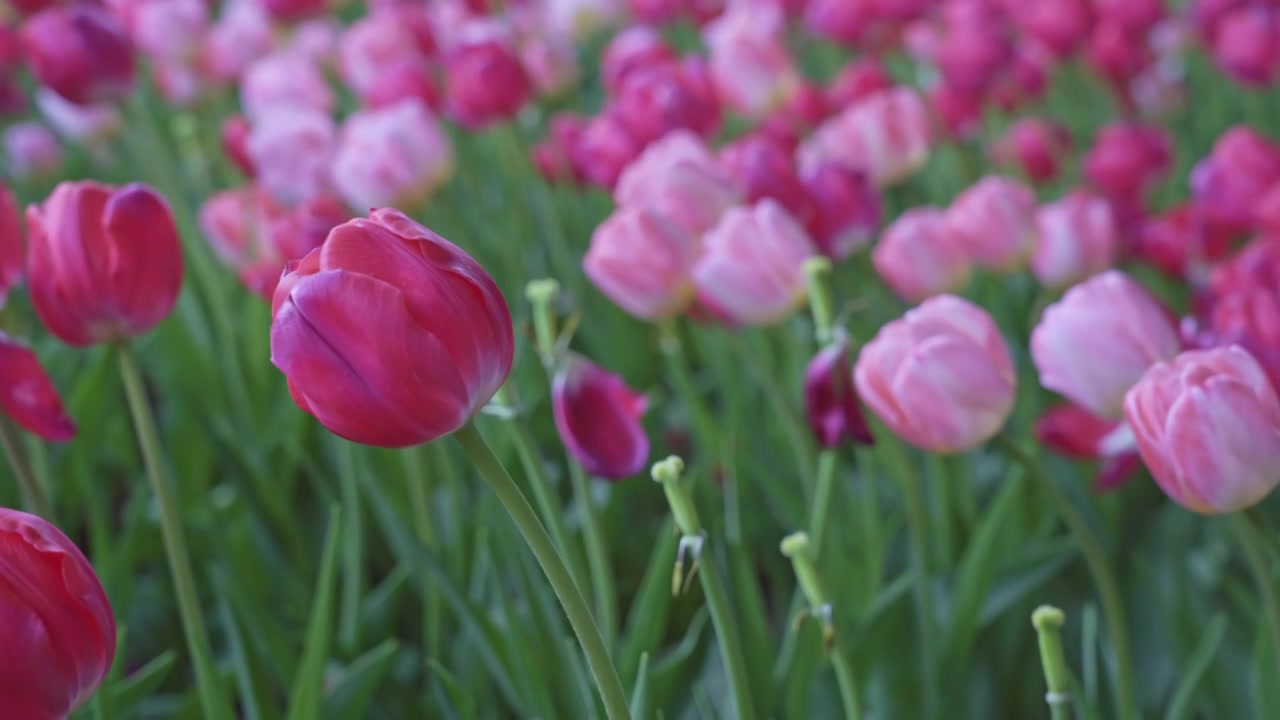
(598, 418)
(831, 400)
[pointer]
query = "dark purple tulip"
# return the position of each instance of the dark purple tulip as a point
(831, 400)
(598, 417)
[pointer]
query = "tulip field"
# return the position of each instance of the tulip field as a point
(652, 359)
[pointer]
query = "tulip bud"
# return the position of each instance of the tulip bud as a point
(484, 83)
(971, 54)
(679, 179)
(752, 68)
(12, 247)
(604, 150)
(995, 222)
(1037, 147)
(917, 258)
(1093, 344)
(103, 263)
(941, 377)
(659, 99)
(752, 267)
(1207, 425)
(1116, 53)
(389, 334)
(885, 135)
(396, 155)
(79, 51)
(1246, 45)
(846, 210)
(1127, 159)
(598, 418)
(59, 630)
(1077, 238)
(28, 396)
(642, 262)
(831, 400)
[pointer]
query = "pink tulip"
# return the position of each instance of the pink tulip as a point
(28, 396)
(941, 377)
(1061, 26)
(1116, 53)
(604, 150)
(484, 83)
(31, 151)
(972, 52)
(860, 78)
(551, 62)
(643, 263)
(752, 68)
(1231, 182)
(293, 10)
(1138, 16)
(678, 178)
(316, 40)
(767, 170)
(1036, 147)
(554, 155)
(958, 113)
(373, 46)
(885, 135)
(598, 418)
(849, 22)
(752, 267)
(292, 150)
(80, 51)
(1127, 159)
(1246, 45)
(166, 30)
(1077, 239)
(995, 222)
(917, 259)
(638, 46)
(396, 155)
(1092, 345)
(658, 99)
(831, 401)
(1208, 428)
(282, 83)
(235, 143)
(846, 210)
(242, 35)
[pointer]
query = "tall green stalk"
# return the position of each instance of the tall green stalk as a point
(33, 495)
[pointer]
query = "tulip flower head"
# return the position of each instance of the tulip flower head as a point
(1208, 428)
(1077, 238)
(995, 222)
(28, 396)
(643, 262)
(831, 399)
(918, 259)
(12, 250)
(598, 418)
(678, 178)
(103, 263)
(58, 628)
(389, 334)
(80, 51)
(391, 156)
(941, 377)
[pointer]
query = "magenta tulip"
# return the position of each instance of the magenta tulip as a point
(80, 51)
(598, 417)
(831, 399)
(28, 396)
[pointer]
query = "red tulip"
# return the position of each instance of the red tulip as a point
(103, 263)
(12, 253)
(389, 334)
(484, 83)
(598, 417)
(80, 51)
(58, 628)
(27, 394)
(1071, 431)
(831, 400)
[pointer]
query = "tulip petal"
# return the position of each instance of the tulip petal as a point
(144, 261)
(27, 394)
(371, 374)
(65, 266)
(948, 372)
(598, 417)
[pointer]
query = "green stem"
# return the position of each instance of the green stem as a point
(822, 492)
(212, 700)
(1048, 623)
(424, 527)
(727, 632)
(548, 506)
(602, 584)
(918, 527)
(848, 682)
(352, 546)
(32, 494)
(1255, 553)
(526, 520)
(1096, 559)
(678, 367)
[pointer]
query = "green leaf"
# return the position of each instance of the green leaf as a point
(304, 699)
(1182, 705)
(353, 690)
(640, 692)
(128, 693)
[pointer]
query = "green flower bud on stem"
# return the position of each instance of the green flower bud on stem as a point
(819, 271)
(1048, 621)
(541, 294)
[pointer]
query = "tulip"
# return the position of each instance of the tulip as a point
(551, 62)
(767, 170)
(580, 19)
(373, 46)
(1026, 79)
(103, 263)
(28, 396)
(59, 630)
(642, 262)
(1229, 184)
(1127, 159)
(885, 135)
(165, 30)
(316, 40)
(1097, 341)
(972, 52)
(80, 51)
(598, 418)
(484, 83)
(1246, 45)
(1207, 425)
(389, 334)
(957, 113)
(860, 78)
(1116, 53)
(752, 68)
(917, 258)
(847, 22)
(1072, 431)
(1077, 239)
(292, 10)
(282, 83)
(1138, 16)
(292, 151)
(995, 222)
(12, 250)
(235, 143)
(1248, 316)
(1037, 147)
(657, 100)
(636, 47)
(941, 377)
(242, 35)
(1061, 26)
(553, 157)
(804, 109)
(391, 156)
(604, 150)
(752, 267)
(846, 210)
(679, 179)
(831, 401)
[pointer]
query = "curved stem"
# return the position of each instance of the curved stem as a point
(1255, 553)
(32, 494)
(352, 545)
(1108, 591)
(822, 491)
(727, 632)
(602, 584)
(526, 520)
(212, 701)
(848, 682)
